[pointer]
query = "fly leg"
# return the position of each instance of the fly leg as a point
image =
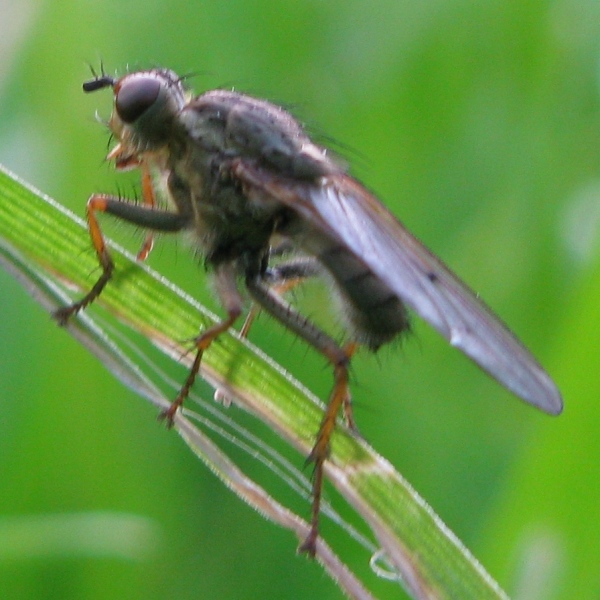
(281, 279)
(141, 215)
(150, 201)
(145, 215)
(126, 162)
(286, 276)
(339, 357)
(225, 285)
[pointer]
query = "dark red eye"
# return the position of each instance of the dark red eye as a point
(135, 96)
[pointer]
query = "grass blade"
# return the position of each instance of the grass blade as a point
(41, 242)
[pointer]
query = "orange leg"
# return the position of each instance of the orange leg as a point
(280, 289)
(225, 283)
(202, 342)
(150, 202)
(126, 162)
(97, 202)
(141, 215)
(340, 396)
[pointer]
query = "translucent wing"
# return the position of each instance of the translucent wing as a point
(341, 209)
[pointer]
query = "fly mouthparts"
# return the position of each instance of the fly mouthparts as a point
(98, 83)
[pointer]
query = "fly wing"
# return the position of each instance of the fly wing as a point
(343, 210)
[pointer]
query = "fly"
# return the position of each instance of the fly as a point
(242, 173)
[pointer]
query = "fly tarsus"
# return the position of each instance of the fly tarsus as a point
(202, 343)
(340, 397)
(63, 314)
(168, 415)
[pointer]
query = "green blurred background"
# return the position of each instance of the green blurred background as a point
(478, 123)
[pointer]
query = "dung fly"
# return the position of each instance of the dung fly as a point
(243, 178)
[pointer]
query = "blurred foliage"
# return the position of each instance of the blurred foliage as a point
(479, 125)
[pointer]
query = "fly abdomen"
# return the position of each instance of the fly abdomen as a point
(374, 313)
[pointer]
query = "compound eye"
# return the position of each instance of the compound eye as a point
(135, 97)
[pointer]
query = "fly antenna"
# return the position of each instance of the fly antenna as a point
(99, 81)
